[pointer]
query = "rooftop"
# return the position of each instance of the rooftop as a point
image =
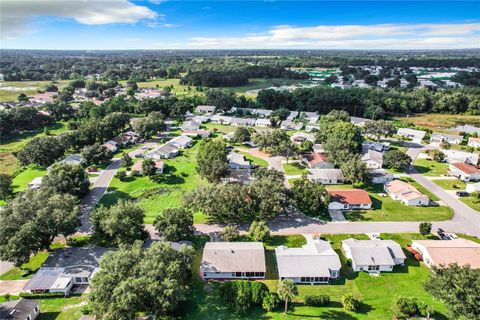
(353, 196)
(233, 257)
(467, 168)
(17, 309)
(445, 252)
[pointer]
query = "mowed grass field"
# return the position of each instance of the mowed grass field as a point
(166, 191)
(9, 90)
(377, 292)
(430, 168)
(437, 121)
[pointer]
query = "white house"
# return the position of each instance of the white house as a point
(36, 183)
(473, 187)
(380, 176)
(317, 160)
(205, 109)
(326, 176)
(264, 123)
(233, 260)
(292, 115)
(314, 263)
(372, 159)
(349, 199)
(445, 252)
(377, 146)
(359, 121)
(465, 172)
(159, 167)
(438, 138)
(412, 134)
(373, 256)
(20, 309)
(453, 156)
(299, 137)
(191, 125)
(291, 125)
(474, 142)
(406, 193)
(237, 161)
(243, 122)
(181, 142)
(73, 159)
(165, 151)
(221, 119)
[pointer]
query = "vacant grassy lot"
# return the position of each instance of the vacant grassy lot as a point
(9, 90)
(161, 192)
(8, 162)
(378, 293)
(430, 167)
(387, 209)
(294, 168)
(450, 184)
(471, 202)
(255, 160)
(441, 121)
(222, 128)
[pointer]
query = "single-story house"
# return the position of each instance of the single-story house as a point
(465, 172)
(42, 97)
(312, 117)
(326, 176)
(65, 268)
(318, 147)
(233, 260)
(197, 133)
(316, 160)
(373, 256)
(237, 161)
(292, 115)
(349, 199)
(264, 123)
(111, 145)
(473, 187)
(35, 183)
(314, 263)
(406, 193)
(452, 156)
(443, 137)
(299, 137)
(311, 127)
(372, 159)
(377, 146)
(412, 134)
(205, 109)
(243, 122)
(257, 112)
(474, 142)
(165, 151)
(289, 124)
(229, 136)
(73, 159)
(20, 309)
(359, 121)
(444, 252)
(191, 125)
(181, 142)
(221, 119)
(201, 119)
(137, 166)
(380, 176)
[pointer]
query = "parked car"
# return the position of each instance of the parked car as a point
(462, 193)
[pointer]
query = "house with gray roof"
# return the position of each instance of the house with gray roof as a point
(359, 121)
(326, 176)
(438, 138)
(264, 123)
(289, 124)
(165, 151)
(233, 260)
(412, 134)
(242, 122)
(380, 176)
(238, 161)
(20, 309)
(181, 142)
(65, 268)
(221, 119)
(372, 159)
(205, 109)
(373, 256)
(314, 263)
(191, 125)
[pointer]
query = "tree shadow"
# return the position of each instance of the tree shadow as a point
(336, 315)
(357, 215)
(169, 169)
(168, 179)
(52, 315)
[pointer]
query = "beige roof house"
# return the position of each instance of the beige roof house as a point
(445, 252)
(406, 193)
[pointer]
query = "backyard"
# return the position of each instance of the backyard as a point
(404, 281)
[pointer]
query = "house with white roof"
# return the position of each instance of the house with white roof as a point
(243, 122)
(372, 159)
(359, 121)
(373, 256)
(326, 176)
(452, 156)
(314, 263)
(233, 260)
(165, 151)
(299, 137)
(380, 176)
(221, 119)
(311, 127)
(264, 123)
(412, 134)
(464, 171)
(438, 138)
(238, 161)
(181, 142)
(205, 109)
(474, 142)
(473, 187)
(312, 117)
(292, 115)
(291, 125)
(191, 125)
(406, 193)
(36, 183)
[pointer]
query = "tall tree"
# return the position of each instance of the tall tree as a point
(174, 224)
(354, 169)
(120, 223)
(379, 129)
(269, 192)
(212, 160)
(396, 159)
(96, 154)
(132, 280)
(241, 134)
(67, 178)
(286, 291)
(30, 222)
(259, 231)
(42, 151)
(6, 189)
(310, 196)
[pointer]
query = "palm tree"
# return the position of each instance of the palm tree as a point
(286, 291)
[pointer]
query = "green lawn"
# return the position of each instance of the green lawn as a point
(9, 90)
(222, 128)
(119, 153)
(154, 195)
(255, 160)
(430, 167)
(387, 209)
(21, 181)
(471, 202)
(450, 184)
(378, 293)
(294, 168)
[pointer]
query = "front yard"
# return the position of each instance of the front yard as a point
(430, 167)
(377, 292)
(450, 184)
(294, 168)
(471, 202)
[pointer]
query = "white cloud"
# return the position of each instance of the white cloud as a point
(15, 15)
(382, 36)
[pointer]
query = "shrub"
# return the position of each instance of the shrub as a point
(242, 295)
(350, 303)
(405, 308)
(270, 301)
(78, 242)
(121, 175)
(319, 300)
(41, 295)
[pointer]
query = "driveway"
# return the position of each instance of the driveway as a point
(13, 287)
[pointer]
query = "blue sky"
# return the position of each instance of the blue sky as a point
(156, 24)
